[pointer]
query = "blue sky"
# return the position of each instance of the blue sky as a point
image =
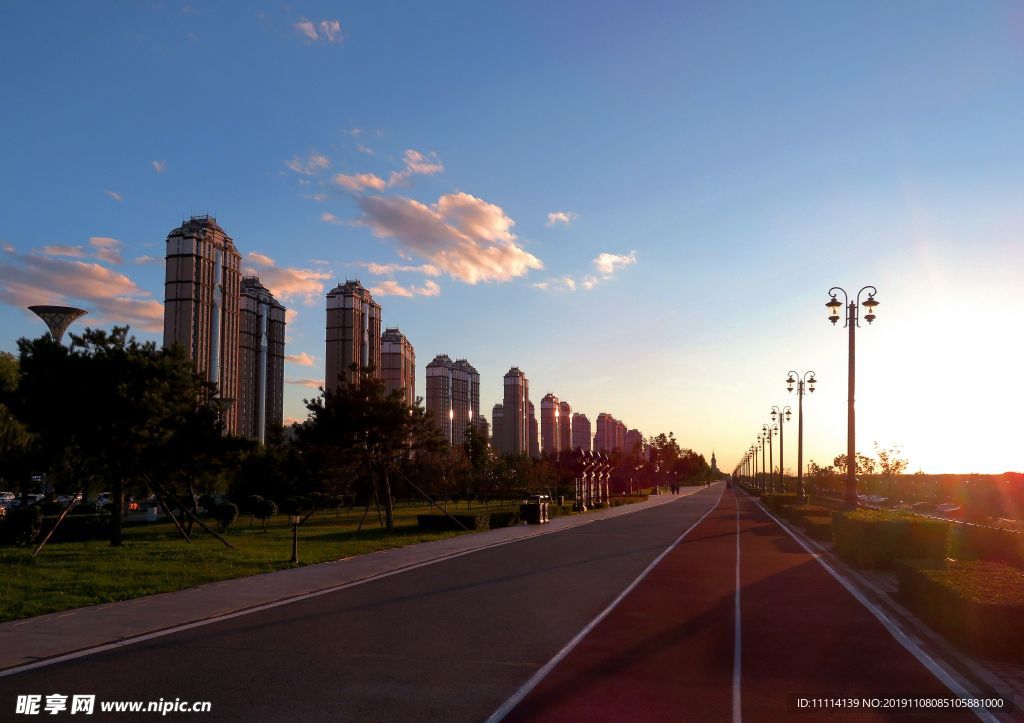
(712, 168)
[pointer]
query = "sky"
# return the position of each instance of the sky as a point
(642, 205)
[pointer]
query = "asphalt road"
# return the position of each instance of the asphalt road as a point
(451, 641)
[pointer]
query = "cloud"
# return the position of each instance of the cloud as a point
(302, 359)
(108, 295)
(314, 163)
(328, 217)
(115, 195)
(290, 315)
(107, 249)
(560, 283)
(159, 166)
(8, 248)
(417, 164)
(390, 287)
(148, 260)
(289, 421)
(363, 149)
(360, 181)
(286, 283)
(464, 236)
(608, 263)
(389, 269)
(311, 383)
(328, 30)
(561, 217)
(590, 282)
(75, 252)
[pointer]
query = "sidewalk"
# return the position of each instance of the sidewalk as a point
(38, 641)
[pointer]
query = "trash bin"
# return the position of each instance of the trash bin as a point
(535, 510)
(151, 514)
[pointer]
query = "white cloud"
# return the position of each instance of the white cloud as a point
(311, 165)
(328, 217)
(115, 195)
(608, 263)
(363, 149)
(561, 217)
(360, 181)
(159, 166)
(390, 287)
(108, 295)
(306, 285)
(290, 315)
(560, 283)
(464, 236)
(389, 269)
(148, 260)
(418, 164)
(590, 282)
(329, 30)
(302, 359)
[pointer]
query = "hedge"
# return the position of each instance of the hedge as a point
(978, 605)
(797, 513)
(976, 542)
(818, 527)
(877, 538)
(478, 521)
(775, 501)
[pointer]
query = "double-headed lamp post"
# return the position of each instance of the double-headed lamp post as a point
(809, 381)
(783, 414)
(761, 439)
(769, 432)
(852, 322)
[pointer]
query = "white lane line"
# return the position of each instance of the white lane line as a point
(124, 642)
(902, 638)
(537, 677)
(737, 699)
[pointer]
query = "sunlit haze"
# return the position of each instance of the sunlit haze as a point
(641, 205)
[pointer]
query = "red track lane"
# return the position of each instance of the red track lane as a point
(665, 653)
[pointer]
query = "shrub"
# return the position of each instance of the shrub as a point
(619, 500)
(797, 513)
(976, 542)
(225, 513)
(503, 519)
(78, 526)
(877, 538)
(21, 525)
(481, 521)
(207, 502)
(978, 605)
(775, 501)
(263, 510)
(818, 527)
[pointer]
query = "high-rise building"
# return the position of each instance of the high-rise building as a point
(516, 417)
(398, 363)
(353, 334)
(498, 426)
(564, 425)
(634, 442)
(467, 405)
(605, 440)
(534, 433)
(483, 427)
(201, 305)
(261, 379)
(550, 437)
(620, 435)
(581, 438)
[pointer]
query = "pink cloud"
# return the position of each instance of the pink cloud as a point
(311, 383)
(390, 287)
(464, 236)
(416, 163)
(328, 217)
(287, 283)
(312, 164)
(302, 359)
(360, 181)
(564, 218)
(608, 263)
(159, 166)
(107, 249)
(115, 195)
(108, 295)
(327, 30)
(389, 269)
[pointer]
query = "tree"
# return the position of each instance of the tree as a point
(362, 433)
(891, 462)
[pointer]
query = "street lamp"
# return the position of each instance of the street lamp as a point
(800, 381)
(761, 439)
(852, 322)
(770, 432)
(783, 414)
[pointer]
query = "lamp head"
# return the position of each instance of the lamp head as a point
(870, 303)
(833, 305)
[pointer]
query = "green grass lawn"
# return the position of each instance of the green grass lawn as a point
(154, 558)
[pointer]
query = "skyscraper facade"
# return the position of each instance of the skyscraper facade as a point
(634, 442)
(550, 438)
(398, 363)
(581, 438)
(534, 433)
(439, 394)
(516, 417)
(607, 437)
(453, 396)
(353, 333)
(498, 427)
(467, 404)
(201, 305)
(564, 425)
(260, 401)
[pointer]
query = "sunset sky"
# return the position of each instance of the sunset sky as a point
(642, 205)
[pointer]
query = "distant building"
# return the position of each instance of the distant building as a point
(453, 396)
(581, 438)
(516, 417)
(260, 400)
(465, 398)
(353, 334)
(611, 434)
(534, 433)
(398, 363)
(550, 438)
(564, 425)
(498, 426)
(634, 442)
(483, 427)
(620, 435)
(201, 305)
(714, 463)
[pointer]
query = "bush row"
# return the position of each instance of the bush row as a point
(877, 538)
(478, 521)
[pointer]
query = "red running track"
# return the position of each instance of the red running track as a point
(666, 652)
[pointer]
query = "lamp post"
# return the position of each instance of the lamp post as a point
(761, 439)
(852, 322)
(783, 414)
(800, 381)
(770, 432)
